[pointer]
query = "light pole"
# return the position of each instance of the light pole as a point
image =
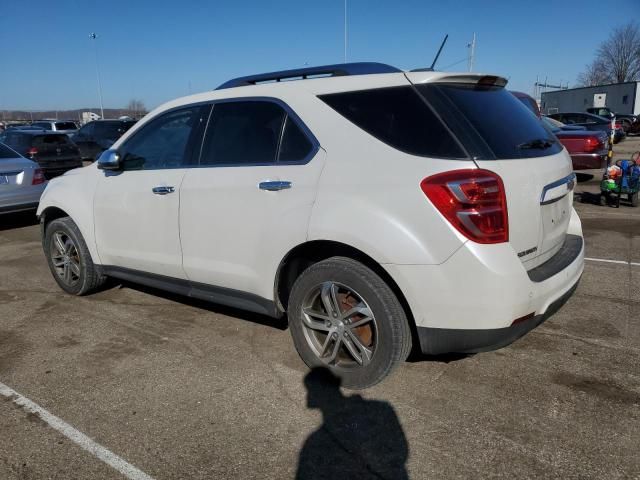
(345, 31)
(93, 36)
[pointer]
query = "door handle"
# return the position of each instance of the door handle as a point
(274, 186)
(162, 190)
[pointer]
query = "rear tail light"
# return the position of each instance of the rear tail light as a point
(473, 201)
(32, 151)
(593, 143)
(617, 125)
(38, 177)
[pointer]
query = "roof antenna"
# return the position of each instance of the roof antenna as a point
(439, 51)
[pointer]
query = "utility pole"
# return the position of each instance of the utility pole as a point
(93, 37)
(345, 31)
(472, 52)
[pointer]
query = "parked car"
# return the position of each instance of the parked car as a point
(528, 101)
(97, 136)
(67, 127)
(588, 149)
(590, 122)
(21, 182)
(54, 152)
(626, 120)
(374, 207)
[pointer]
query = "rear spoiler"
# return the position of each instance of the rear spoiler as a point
(467, 78)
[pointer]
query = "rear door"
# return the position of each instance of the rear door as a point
(501, 135)
(250, 200)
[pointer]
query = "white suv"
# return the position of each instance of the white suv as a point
(378, 209)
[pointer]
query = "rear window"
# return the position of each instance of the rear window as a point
(43, 125)
(50, 140)
(490, 121)
(6, 152)
(65, 126)
(398, 117)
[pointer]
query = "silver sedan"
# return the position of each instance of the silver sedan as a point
(21, 182)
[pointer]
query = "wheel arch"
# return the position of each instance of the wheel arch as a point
(304, 255)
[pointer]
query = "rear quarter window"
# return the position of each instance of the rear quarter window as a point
(398, 117)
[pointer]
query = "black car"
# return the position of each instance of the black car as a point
(626, 119)
(97, 136)
(590, 122)
(54, 152)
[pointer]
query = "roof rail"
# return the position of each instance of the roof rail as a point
(337, 70)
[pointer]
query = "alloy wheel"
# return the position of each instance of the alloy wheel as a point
(65, 258)
(339, 326)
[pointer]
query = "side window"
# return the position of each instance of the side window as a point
(242, 133)
(295, 145)
(162, 143)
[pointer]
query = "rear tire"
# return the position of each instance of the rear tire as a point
(633, 198)
(69, 258)
(341, 295)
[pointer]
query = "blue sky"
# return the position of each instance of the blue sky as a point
(159, 50)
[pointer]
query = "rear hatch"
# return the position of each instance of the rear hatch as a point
(501, 135)
(55, 151)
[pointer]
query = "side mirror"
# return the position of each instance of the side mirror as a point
(109, 160)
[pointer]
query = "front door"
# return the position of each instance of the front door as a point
(136, 208)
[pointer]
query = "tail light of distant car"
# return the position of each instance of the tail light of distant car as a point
(32, 151)
(473, 201)
(593, 143)
(38, 177)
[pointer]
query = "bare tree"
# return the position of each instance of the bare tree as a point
(594, 74)
(617, 59)
(136, 108)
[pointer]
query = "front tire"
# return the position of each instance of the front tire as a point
(69, 258)
(344, 317)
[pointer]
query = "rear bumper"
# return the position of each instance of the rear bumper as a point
(470, 302)
(435, 341)
(588, 161)
(21, 199)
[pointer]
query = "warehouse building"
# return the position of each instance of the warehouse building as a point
(619, 97)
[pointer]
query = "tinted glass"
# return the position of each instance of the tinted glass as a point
(6, 152)
(243, 133)
(65, 126)
(162, 143)
(108, 130)
(50, 140)
(398, 117)
(491, 122)
(295, 145)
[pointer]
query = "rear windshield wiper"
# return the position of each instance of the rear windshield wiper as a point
(540, 143)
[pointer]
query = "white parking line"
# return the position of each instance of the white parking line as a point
(620, 262)
(75, 436)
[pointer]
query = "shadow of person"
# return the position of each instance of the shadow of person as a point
(358, 439)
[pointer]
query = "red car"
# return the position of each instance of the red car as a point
(588, 148)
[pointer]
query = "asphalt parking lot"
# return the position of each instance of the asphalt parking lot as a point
(182, 389)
